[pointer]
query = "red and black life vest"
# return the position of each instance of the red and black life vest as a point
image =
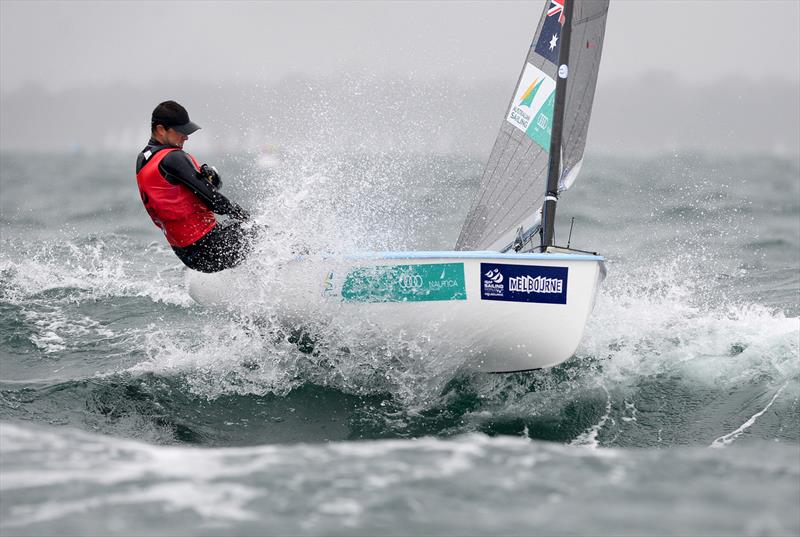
(175, 209)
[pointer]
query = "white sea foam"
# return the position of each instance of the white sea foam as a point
(91, 270)
(661, 320)
(260, 354)
(646, 324)
(650, 319)
(310, 207)
(54, 330)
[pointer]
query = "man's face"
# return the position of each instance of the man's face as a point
(176, 138)
(168, 135)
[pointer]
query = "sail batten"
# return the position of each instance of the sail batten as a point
(513, 184)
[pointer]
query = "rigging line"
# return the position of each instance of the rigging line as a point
(514, 194)
(486, 176)
(485, 184)
(523, 160)
(508, 163)
(489, 192)
(486, 179)
(528, 237)
(500, 158)
(590, 18)
(496, 193)
(575, 123)
(469, 224)
(531, 206)
(516, 222)
(496, 157)
(532, 55)
(585, 27)
(529, 197)
(511, 217)
(530, 186)
(572, 121)
(527, 173)
(582, 101)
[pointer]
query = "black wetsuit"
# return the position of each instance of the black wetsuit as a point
(227, 244)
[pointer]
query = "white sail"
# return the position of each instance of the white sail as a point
(508, 202)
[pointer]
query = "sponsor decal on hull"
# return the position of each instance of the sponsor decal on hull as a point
(524, 283)
(405, 283)
(328, 287)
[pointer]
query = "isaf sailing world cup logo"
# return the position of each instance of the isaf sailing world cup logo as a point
(494, 275)
(493, 283)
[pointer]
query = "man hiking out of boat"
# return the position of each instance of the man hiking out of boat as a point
(182, 197)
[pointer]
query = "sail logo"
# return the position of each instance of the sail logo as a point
(530, 93)
(524, 283)
(327, 285)
(532, 107)
(492, 282)
(495, 276)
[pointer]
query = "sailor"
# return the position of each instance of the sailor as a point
(182, 197)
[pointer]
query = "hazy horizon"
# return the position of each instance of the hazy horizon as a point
(75, 44)
(652, 114)
(708, 75)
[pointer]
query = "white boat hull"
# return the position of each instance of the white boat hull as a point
(501, 312)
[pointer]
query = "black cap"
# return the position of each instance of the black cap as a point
(172, 115)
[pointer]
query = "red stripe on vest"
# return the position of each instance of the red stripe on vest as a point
(175, 209)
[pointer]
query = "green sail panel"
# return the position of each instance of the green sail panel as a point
(541, 128)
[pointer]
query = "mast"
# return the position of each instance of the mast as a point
(554, 169)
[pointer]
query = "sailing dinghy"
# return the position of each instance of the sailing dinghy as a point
(506, 297)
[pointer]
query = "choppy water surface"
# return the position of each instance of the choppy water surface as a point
(128, 409)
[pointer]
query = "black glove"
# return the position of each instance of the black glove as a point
(238, 213)
(210, 174)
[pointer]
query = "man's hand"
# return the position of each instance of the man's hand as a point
(238, 213)
(210, 174)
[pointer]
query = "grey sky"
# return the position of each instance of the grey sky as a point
(72, 44)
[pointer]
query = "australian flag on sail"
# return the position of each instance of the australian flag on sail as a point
(549, 42)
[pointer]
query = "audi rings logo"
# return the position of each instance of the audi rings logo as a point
(494, 275)
(410, 281)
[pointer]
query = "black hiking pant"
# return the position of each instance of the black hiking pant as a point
(222, 248)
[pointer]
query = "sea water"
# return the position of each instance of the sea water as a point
(127, 409)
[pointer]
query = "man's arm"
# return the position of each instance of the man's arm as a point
(178, 168)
